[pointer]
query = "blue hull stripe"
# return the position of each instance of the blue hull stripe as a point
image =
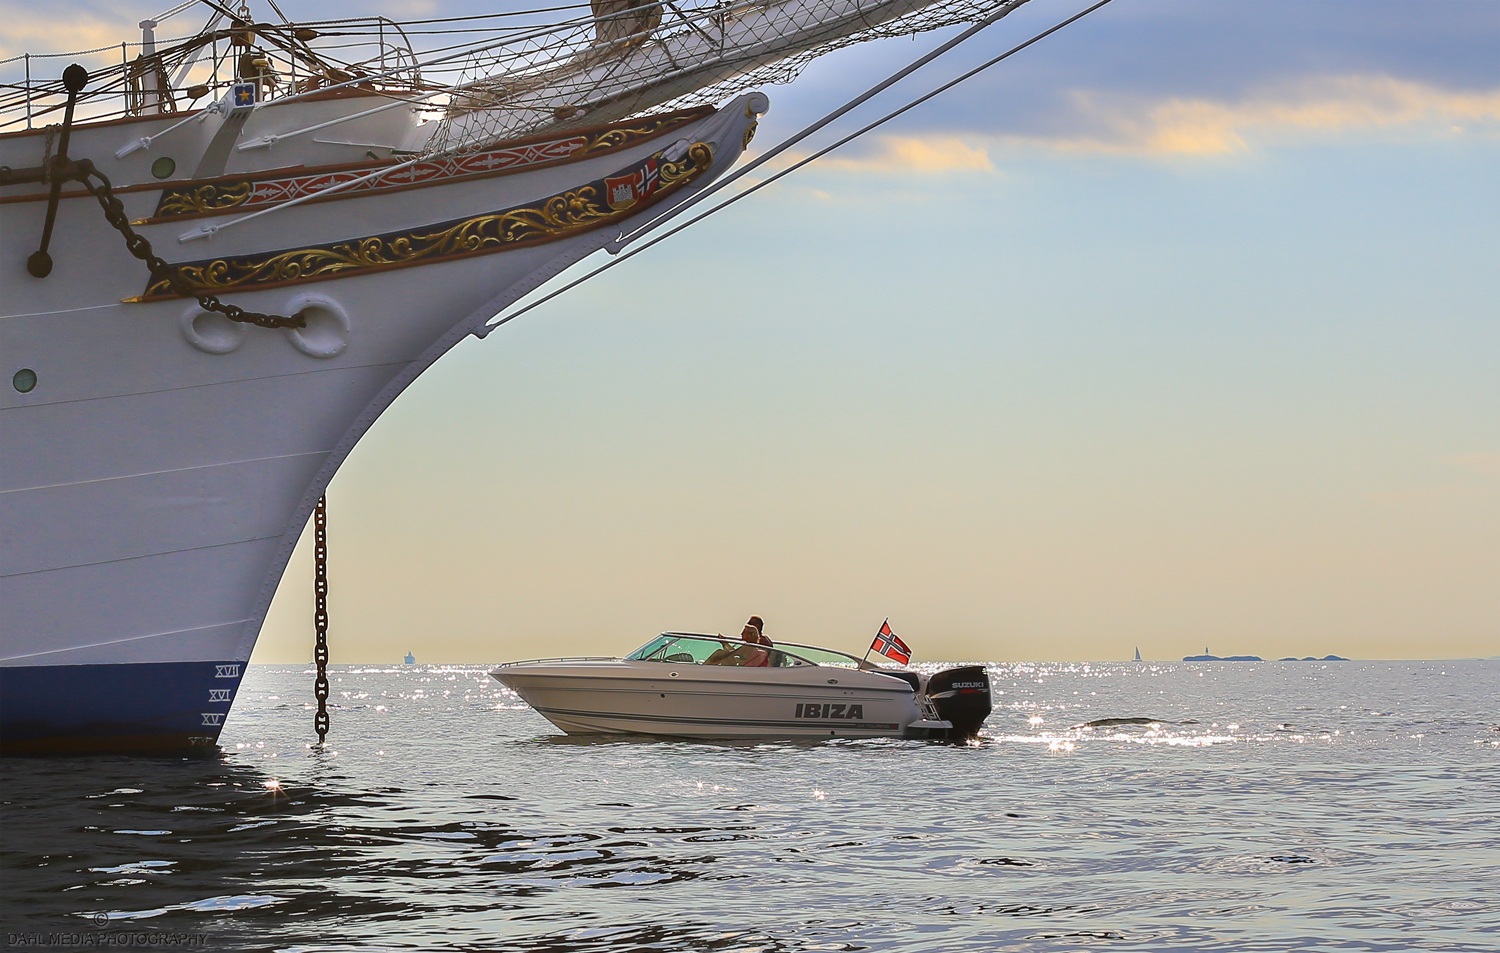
(100, 708)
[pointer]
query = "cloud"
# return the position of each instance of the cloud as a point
(403, 9)
(49, 30)
(1314, 107)
(914, 154)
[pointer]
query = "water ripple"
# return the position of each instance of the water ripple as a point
(1131, 808)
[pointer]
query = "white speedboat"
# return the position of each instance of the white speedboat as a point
(680, 684)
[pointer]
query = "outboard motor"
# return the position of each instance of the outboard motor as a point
(962, 696)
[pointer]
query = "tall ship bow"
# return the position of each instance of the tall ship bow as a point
(225, 256)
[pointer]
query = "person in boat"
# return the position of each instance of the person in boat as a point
(761, 656)
(753, 651)
(757, 623)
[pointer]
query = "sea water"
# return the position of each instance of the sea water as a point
(1259, 806)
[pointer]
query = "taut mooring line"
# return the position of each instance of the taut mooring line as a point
(486, 329)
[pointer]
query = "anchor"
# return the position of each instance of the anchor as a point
(59, 168)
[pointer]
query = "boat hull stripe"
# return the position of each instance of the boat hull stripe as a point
(243, 193)
(801, 724)
(147, 706)
(583, 208)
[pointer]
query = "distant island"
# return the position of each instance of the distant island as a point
(1205, 657)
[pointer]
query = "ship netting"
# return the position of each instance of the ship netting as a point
(488, 77)
(630, 58)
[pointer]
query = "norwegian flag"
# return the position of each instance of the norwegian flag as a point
(623, 191)
(889, 644)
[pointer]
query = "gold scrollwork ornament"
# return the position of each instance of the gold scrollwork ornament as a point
(700, 156)
(206, 198)
(556, 216)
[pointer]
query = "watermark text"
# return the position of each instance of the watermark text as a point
(108, 938)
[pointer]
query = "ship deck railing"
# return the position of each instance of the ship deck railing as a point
(575, 658)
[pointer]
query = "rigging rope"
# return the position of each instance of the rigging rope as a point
(161, 18)
(843, 110)
(486, 329)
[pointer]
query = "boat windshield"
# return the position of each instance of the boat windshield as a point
(819, 656)
(690, 649)
(695, 649)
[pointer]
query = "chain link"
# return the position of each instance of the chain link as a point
(140, 247)
(320, 615)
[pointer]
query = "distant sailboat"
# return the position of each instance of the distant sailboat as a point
(411, 659)
(1137, 653)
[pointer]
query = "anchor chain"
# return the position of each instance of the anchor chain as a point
(60, 168)
(139, 246)
(320, 615)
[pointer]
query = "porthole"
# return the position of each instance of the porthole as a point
(163, 167)
(24, 380)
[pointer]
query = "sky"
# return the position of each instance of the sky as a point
(1177, 330)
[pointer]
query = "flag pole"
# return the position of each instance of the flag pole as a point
(872, 644)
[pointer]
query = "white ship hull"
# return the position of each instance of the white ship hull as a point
(159, 474)
(161, 459)
(621, 696)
